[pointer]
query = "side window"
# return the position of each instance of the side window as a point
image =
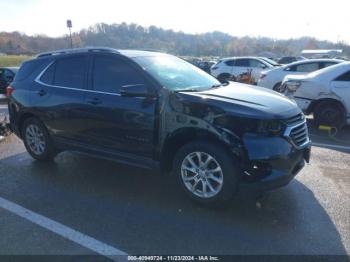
(71, 72)
(327, 64)
(242, 62)
(110, 74)
(47, 77)
(343, 77)
(308, 67)
(256, 63)
(291, 68)
(230, 62)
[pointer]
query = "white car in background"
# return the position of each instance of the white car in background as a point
(273, 78)
(325, 93)
(230, 68)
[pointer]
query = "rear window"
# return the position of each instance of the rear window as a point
(70, 72)
(28, 68)
(343, 77)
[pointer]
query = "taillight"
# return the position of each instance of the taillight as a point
(9, 91)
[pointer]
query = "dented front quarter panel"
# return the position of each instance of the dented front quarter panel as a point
(178, 113)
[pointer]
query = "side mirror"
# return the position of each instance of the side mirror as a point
(263, 66)
(138, 90)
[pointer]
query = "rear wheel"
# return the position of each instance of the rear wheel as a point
(330, 114)
(37, 140)
(207, 172)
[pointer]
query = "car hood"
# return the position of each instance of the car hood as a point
(247, 101)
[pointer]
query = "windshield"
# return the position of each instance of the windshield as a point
(176, 74)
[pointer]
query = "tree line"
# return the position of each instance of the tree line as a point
(133, 36)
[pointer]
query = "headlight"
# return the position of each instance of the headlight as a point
(292, 86)
(269, 127)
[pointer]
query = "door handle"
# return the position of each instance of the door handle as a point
(41, 92)
(94, 101)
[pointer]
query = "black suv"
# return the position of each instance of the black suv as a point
(155, 110)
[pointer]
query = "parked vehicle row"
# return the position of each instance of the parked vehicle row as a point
(155, 110)
(325, 93)
(231, 68)
(327, 99)
(273, 78)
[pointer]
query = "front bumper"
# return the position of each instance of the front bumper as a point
(272, 162)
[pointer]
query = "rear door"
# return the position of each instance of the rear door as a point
(60, 96)
(116, 122)
(256, 67)
(341, 86)
(242, 65)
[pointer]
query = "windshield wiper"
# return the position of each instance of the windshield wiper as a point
(219, 85)
(197, 90)
(187, 90)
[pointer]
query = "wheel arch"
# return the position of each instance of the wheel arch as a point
(22, 119)
(182, 136)
(315, 103)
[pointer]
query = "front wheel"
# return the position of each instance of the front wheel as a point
(207, 172)
(37, 140)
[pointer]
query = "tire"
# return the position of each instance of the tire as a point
(277, 87)
(192, 179)
(223, 78)
(37, 140)
(330, 114)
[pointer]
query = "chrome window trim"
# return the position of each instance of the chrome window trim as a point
(37, 80)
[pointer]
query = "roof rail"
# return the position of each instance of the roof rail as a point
(78, 50)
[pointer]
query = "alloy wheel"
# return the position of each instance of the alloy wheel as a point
(202, 174)
(35, 139)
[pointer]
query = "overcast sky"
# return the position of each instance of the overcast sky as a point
(273, 18)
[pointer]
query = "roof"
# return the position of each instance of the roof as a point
(240, 57)
(128, 53)
(139, 53)
(306, 61)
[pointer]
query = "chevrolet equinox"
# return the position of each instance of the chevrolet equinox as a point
(155, 110)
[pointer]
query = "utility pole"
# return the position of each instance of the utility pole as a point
(69, 25)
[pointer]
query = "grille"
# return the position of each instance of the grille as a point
(294, 119)
(296, 130)
(299, 134)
